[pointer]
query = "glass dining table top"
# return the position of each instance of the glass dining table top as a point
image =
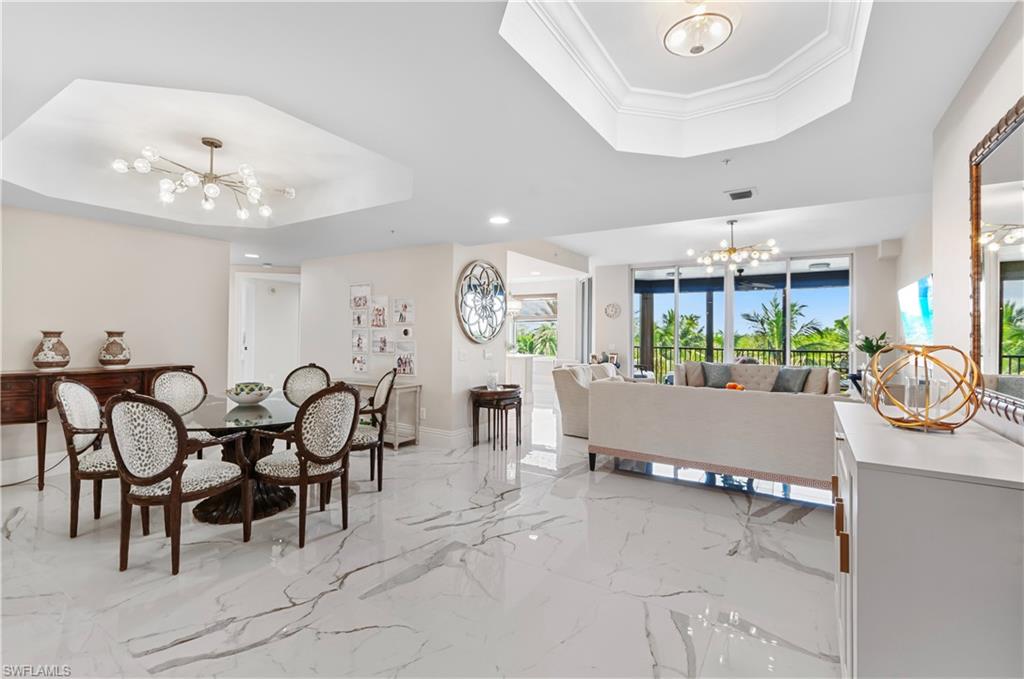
(221, 414)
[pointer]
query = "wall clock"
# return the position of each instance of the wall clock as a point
(480, 301)
(612, 310)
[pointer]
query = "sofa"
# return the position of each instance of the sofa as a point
(572, 387)
(776, 436)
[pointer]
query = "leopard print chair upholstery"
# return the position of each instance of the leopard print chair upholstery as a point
(184, 391)
(82, 423)
(371, 437)
(323, 432)
(151, 447)
(302, 383)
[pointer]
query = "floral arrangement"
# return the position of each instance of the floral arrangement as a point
(871, 345)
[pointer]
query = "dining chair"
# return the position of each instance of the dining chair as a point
(151, 448)
(372, 437)
(184, 391)
(81, 419)
(322, 435)
(302, 383)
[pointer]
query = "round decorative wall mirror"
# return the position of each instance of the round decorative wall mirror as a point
(480, 301)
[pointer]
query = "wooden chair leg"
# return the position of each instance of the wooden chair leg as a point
(344, 496)
(380, 466)
(303, 489)
(175, 508)
(247, 510)
(199, 454)
(327, 490)
(373, 462)
(97, 497)
(76, 491)
(322, 492)
(145, 520)
(167, 521)
(126, 529)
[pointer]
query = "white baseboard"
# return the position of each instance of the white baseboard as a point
(20, 468)
(446, 438)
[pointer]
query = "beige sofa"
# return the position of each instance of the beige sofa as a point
(757, 433)
(572, 387)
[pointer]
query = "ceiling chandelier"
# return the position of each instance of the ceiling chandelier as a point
(245, 188)
(994, 236)
(728, 253)
(698, 34)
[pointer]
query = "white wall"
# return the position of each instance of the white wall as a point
(875, 306)
(993, 86)
(168, 292)
(568, 311)
(915, 260)
(613, 284)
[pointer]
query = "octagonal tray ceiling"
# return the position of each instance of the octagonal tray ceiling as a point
(65, 149)
(785, 65)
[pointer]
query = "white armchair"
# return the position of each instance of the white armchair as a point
(572, 387)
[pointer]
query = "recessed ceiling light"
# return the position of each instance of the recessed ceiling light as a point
(535, 273)
(499, 220)
(252, 255)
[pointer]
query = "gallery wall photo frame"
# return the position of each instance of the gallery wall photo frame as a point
(403, 310)
(382, 342)
(360, 318)
(359, 296)
(405, 357)
(360, 341)
(359, 363)
(379, 311)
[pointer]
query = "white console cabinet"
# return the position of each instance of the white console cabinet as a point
(929, 550)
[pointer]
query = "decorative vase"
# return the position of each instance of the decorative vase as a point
(51, 353)
(115, 351)
(492, 381)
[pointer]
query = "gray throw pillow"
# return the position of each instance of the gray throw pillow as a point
(716, 375)
(791, 380)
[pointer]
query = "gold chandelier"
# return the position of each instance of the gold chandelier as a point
(732, 255)
(242, 183)
(995, 236)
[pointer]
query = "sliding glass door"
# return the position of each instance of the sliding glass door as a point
(788, 312)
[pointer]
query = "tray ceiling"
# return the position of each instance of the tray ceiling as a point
(786, 65)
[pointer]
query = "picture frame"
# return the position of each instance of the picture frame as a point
(613, 359)
(379, 312)
(403, 310)
(360, 341)
(359, 363)
(382, 342)
(405, 357)
(360, 318)
(359, 295)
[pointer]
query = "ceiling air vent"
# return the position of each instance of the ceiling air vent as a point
(740, 194)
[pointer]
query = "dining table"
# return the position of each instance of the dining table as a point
(220, 416)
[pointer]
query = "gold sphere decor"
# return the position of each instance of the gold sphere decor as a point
(940, 397)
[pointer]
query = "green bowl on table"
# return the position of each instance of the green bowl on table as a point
(248, 393)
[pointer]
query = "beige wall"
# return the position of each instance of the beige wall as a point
(993, 86)
(915, 260)
(613, 284)
(875, 306)
(168, 292)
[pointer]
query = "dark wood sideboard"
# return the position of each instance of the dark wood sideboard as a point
(27, 395)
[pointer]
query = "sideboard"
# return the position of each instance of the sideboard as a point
(929, 542)
(26, 395)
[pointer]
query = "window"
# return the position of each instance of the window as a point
(1011, 327)
(535, 324)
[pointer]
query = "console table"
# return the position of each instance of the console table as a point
(26, 395)
(400, 390)
(928, 531)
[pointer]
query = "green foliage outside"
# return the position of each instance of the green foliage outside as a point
(541, 340)
(1013, 330)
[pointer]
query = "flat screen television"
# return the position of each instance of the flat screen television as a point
(916, 312)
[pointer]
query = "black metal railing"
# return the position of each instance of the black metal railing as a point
(1011, 364)
(664, 365)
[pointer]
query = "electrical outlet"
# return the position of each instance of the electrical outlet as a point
(488, 354)
(423, 413)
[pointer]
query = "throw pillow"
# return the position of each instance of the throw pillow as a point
(791, 379)
(716, 375)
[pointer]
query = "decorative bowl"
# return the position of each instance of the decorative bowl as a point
(248, 393)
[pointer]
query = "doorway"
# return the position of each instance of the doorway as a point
(265, 329)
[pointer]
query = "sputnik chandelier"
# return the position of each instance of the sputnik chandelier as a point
(242, 183)
(733, 255)
(995, 236)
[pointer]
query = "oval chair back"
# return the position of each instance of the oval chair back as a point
(78, 408)
(325, 424)
(147, 436)
(382, 395)
(183, 390)
(305, 381)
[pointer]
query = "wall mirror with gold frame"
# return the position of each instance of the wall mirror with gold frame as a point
(997, 264)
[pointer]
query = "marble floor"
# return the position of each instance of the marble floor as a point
(469, 563)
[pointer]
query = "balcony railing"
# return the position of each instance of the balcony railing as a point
(1010, 364)
(664, 365)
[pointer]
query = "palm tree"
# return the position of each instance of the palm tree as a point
(769, 324)
(1013, 330)
(546, 337)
